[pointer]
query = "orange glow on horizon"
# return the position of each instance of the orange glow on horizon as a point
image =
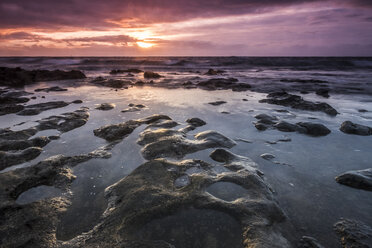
(144, 44)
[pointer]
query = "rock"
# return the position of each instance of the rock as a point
(77, 102)
(267, 156)
(177, 146)
(266, 119)
(133, 70)
(223, 84)
(163, 124)
(54, 88)
(146, 206)
(288, 127)
(19, 77)
(245, 100)
(353, 233)
(12, 158)
(216, 103)
(353, 128)
(133, 108)
(196, 122)
(314, 129)
(322, 92)
(8, 145)
(64, 122)
(112, 83)
(10, 109)
(297, 102)
(212, 72)
(34, 224)
(106, 106)
(36, 109)
(362, 110)
(119, 131)
(309, 242)
(148, 137)
(7, 134)
(150, 74)
(360, 179)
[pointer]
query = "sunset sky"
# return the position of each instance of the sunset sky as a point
(185, 27)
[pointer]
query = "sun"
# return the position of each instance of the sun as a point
(144, 44)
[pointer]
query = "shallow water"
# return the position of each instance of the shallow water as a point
(306, 191)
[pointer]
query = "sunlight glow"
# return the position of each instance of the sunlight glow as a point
(144, 44)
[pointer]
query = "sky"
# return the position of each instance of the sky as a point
(185, 28)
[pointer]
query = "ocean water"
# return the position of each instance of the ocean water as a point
(306, 190)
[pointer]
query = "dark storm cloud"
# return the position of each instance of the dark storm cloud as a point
(99, 14)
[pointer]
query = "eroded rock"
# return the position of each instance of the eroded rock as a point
(353, 233)
(353, 128)
(106, 106)
(118, 71)
(19, 77)
(121, 130)
(54, 88)
(297, 102)
(12, 158)
(360, 179)
(150, 74)
(111, 83)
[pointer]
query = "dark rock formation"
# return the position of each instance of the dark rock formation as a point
(297, 102)
(212, 72)
(121, 130)
(18, 77)
(150, 74)
(12, 158)
(177, 146)
(106, 106)
(223, 84)
(313, 129)
(126, 71)
(197, 122)
(216, 103)
(36, 109)
(353, 234)
(360, 179)
(134, 108)
(111, 83)
(353, 128)
(150, 205)
(322, 92)
(54, 88)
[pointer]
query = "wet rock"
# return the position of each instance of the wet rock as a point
(146, 205)
(197, 122)
(309, 242)
(223, 84)
(121, 130)
(111, 83)
(134, 108)
(267, 156)
(7, 134)
(12, 158)
(8, 145)
(150, 74)
(64, 122)
(163, 124)
(362, 110)
(106, 106)
(288, 127)
(353, 233)
(314, 129)
(10, 109)
(77, 101)
(297, 102)
(266, 119)
(360, 179)
(36, 109)
(54, 88)
(177, 146)
(212, 72)
(133, 70)
(19, 77)
(34, 224)
(353, 128)
(322, 92)
(148, 137)
(217, 103)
